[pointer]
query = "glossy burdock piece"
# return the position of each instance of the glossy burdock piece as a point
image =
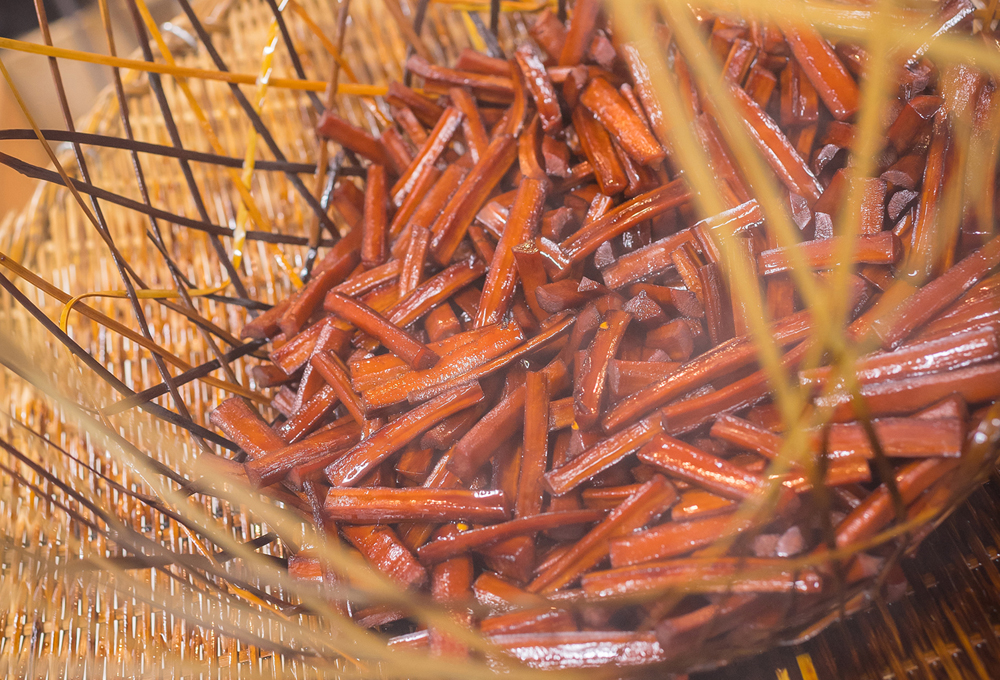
(374, 237)
(423, 165)
(444, 548)
(382, 505)
(501, 277)
(594, 370)
(602, 456)
(350, 137)
(683, 461)
(401, 343)
(722, 575)
(582, 650)
(776, 149)
(600, 152)
(935, 296)
(717, 362)
(626, 216)
(543, 92)
(382, 548)
(882, 248)
(535, 445)
(673, 539)
(614, 113)
(649, 501)
(451, 225)
(244, 426)
(824, 69)
(320, 449)
(367, 455)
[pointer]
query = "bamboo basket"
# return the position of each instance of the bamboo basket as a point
(77, 488)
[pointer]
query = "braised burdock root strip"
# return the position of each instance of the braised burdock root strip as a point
(526, 378)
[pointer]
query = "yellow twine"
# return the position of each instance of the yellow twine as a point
(142, 294)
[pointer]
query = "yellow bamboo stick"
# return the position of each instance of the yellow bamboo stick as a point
(172, 69)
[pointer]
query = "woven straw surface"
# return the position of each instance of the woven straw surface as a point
(47, 629)
(57, 626)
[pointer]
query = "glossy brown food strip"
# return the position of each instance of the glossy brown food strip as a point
(244, 427)
(650, 501)
(645, 262)
(451, 586)
(323, 447)
(543, 92)
(718, 361)
(935, 296)
(428, 155)
(882, 248)
(350, 137)
(588, 398)
(687, 414)
(464, 541)
(365, 281)
(397, 150)
(401, 343)
(714, 300)
(647, 94)
(470, 60)
(414, 261)
(414, 464)
(434, 291)
(600, 152)
(721, 575)
(531, 272)
(477, 81)
(476, 447)
(423, 108)
(374, 237)
(899, 397)
(626, 377)
(501, 595)
(683, 461)
(614, 113)
(539, 620)
(582, 650)
(776, 149)
(382, 549)
(501, 276)
(721, 161)
(364, 457)
(472, 124)
(674, 539)
(913, 118)
(335, 374)
(386, 505)
(699, 504)
(422, 205)
(265, 326)
(641, 208)
(580, 32)
(451, 372)
(268, 375)
(877, 511)
(535, 447)
(331, 270)
(601, 456)
(450, 227)
(308, 417)
(824, 69)
(554, 328)
(442, 323)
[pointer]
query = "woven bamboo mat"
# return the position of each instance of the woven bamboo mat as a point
(944, 626)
